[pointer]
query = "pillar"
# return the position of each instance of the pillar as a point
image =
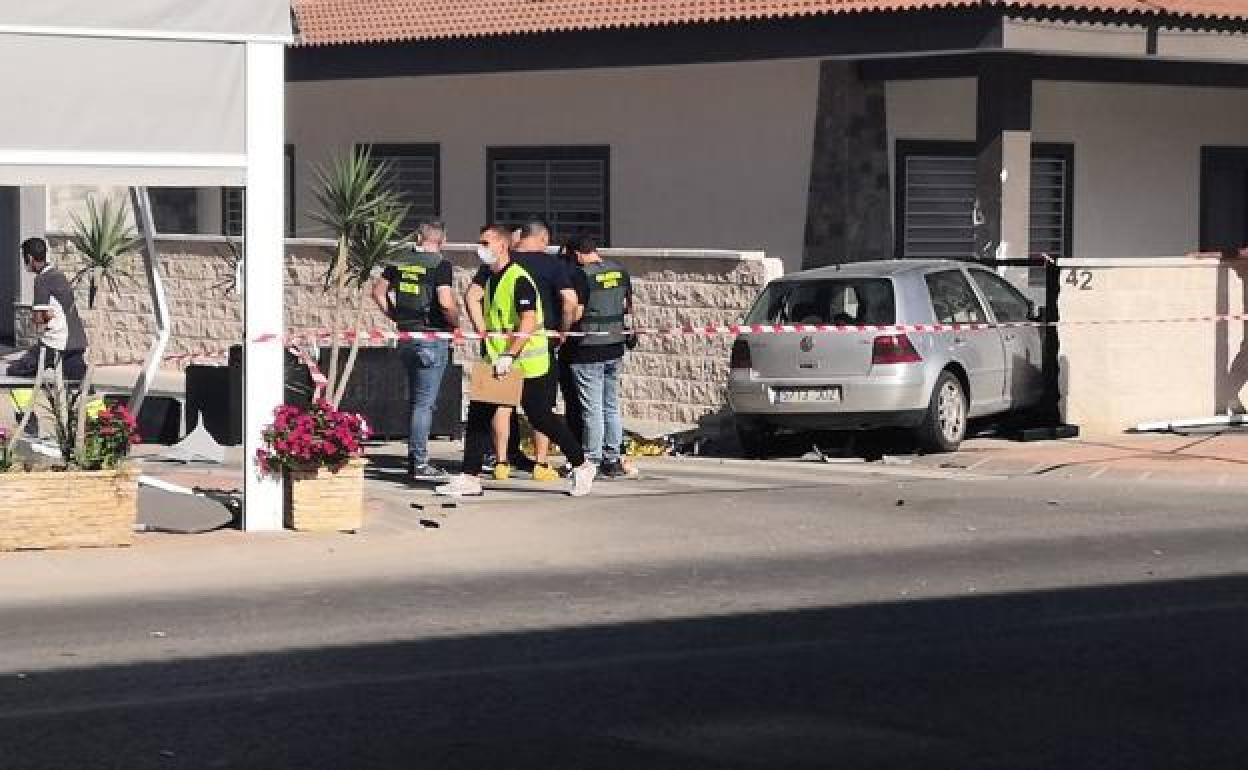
(263, 274)
(1003, 172)
(849, 208)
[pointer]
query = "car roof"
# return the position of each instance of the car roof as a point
(880, 268)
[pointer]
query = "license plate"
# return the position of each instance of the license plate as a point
(808, 395)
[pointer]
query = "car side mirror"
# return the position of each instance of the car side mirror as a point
(1036, 313)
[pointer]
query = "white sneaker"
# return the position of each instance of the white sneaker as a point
(461, 486)
(583, 479)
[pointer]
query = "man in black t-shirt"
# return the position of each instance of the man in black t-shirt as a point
(554, 286)
(416, 292)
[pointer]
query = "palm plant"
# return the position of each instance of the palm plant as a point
(102, 239)
(352, 192)
(377, 243)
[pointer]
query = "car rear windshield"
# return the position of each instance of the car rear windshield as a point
(830, 301)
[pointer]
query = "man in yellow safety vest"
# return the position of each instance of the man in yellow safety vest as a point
(513, 306)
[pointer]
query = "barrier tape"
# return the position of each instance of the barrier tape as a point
(319, 337)
(378, 336)
(319, 380)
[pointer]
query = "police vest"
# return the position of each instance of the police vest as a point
(415, 300)
(605, 306)
(501, 316)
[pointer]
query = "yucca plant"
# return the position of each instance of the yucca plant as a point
(377, 243)
(352, 192)
(103, 239)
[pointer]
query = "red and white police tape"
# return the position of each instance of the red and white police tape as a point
(297, 341)
(379, 336)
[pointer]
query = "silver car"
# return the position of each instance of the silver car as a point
(931, 382)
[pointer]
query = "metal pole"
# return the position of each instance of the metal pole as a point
(156, 289)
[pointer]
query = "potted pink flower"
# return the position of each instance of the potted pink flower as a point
(319, 453)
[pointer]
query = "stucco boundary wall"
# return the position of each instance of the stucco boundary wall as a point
(673, 381)
(1117, 376)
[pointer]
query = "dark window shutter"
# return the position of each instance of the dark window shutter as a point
(567, 186)
(414, 173)
(937, 201)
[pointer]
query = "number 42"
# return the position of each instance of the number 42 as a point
(1081, 279)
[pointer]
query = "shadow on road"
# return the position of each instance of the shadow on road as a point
(1140, 676)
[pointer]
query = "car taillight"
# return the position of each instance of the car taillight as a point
(894, 349)
(740, 358)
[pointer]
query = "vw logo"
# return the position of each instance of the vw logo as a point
(807, 344)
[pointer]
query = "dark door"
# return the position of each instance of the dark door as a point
(1223, 198)
(10, 262)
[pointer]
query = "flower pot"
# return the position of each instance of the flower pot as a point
(321, 500)
(67, 509)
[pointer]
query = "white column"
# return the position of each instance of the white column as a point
(263, 274)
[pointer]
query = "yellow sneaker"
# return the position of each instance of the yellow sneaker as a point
(543, 472)
(502, 471)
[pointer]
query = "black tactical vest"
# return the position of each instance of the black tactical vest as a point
(415, 301)
(604, 309)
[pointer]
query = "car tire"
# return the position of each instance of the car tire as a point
(944, 425)
(755, 439)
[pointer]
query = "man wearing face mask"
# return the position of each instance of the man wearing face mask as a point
(554, 285)
(62, 337)
(512, 303)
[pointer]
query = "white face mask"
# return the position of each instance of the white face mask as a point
(486, 256)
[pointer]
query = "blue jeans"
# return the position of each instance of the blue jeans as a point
(599, 388)
(425, 361)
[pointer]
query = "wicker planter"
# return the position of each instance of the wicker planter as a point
(320, 500)
(67, 509)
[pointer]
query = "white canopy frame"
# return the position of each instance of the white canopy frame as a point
(202, 103)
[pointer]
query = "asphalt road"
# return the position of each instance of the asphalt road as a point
(977, 624)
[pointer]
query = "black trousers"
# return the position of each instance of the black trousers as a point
(574, 413)
(536, 400)
(73, 363)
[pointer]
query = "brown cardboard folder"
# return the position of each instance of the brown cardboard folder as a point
(488, 389)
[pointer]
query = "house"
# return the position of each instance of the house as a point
(1109, 134)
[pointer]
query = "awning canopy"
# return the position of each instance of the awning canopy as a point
(141, 92)
(145, 93)
(230, 20)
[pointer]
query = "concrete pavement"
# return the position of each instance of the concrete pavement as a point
(825, 617)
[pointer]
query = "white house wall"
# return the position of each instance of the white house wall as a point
(706, 156)
(1136, 149)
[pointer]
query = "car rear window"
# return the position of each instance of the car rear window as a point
(829, 301)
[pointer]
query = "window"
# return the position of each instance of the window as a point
(175, 209)
(936, 199)
(953, 302)
(566, 186)
(841, 301)
(1007, 303)
(415, 175)
(232, 205)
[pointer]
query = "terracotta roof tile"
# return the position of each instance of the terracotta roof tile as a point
(327, 22)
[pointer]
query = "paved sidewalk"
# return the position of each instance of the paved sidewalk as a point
(1198, 460)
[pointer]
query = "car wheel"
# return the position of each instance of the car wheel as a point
(944, 426)
(755, 439)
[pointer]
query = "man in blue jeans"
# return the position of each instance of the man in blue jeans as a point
(417, 294)
(604, 297)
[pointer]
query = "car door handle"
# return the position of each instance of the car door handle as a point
(959, 340)
(1010, 337)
